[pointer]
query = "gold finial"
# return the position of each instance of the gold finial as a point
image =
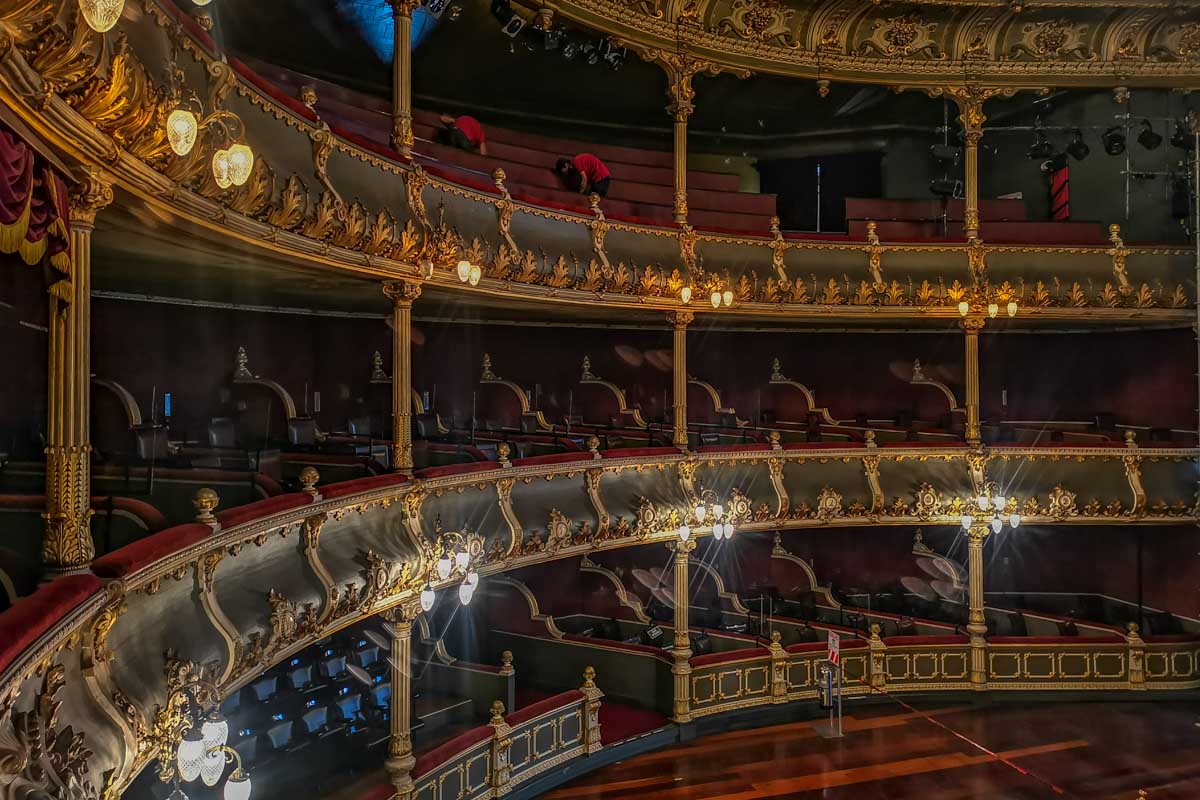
(589, 678)
(918, 375)
(587, 370)
(773, 438)
(872, 232)
(241, 370)
(506, 658)
(776, 636)
(498, 177)
(593, 445)
(1130, 439)
(875, 631)
(377, 373)
(204, 502)
(497, 713)
(308, 480)
(487, 375)
(775, 223)
(1121, 95)
(869, 438)
(308, 95)
(823, 87)
(503, 451)
(777, 370)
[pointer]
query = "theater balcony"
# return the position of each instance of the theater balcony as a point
(342, 457)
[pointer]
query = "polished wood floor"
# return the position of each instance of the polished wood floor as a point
(1078, 750)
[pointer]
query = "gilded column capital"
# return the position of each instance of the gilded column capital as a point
(680, 319)
(970, 98)
(403, 614)
(404, 8)
(973, 325)
(92, 193)
(402, 292)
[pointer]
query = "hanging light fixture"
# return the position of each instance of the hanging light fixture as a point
(461, 559)
(715, 299)
(465, 592)
(476, 274)
(212, 766)
(473, 577)
(727, 297)
(444, 566)
(215, 730)
(427, 598)
(683, 532)
(964, 307)
(1149, 138)
(967, 521)
(685, 295)
(1012, 308)
(190, 755)
(182, 127)
(1113, 141)
(993, 310)
(220, 168)
(463, 270)
(241, 163)
(238, 785)
(101, 15)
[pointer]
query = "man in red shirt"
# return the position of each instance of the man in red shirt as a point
(465, 133)
(584, 174)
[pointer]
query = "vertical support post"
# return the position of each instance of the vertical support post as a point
(1137, 657)
(591, 712)
(972, 326)
(878, 662)
(779, 669)
(67, 544)
(400, 752)
(682, 651)
(402, 294)
(679, 321)
(970, 99)
(976, 623)
(402, 135)
(680, 96)
(501, 741)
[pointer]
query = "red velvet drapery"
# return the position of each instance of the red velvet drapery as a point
(33, 205)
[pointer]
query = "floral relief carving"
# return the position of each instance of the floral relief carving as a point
(904, 35)
(1053, 38)
(36, 760)
(759, 20)
(1062, 503)
(1179, 42)
(829, 504)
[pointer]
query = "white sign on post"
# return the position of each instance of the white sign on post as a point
(834, 649)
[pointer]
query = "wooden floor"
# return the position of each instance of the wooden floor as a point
(1078, 750)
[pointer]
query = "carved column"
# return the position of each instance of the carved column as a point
(970, 100)
(972, 326)
(682, 651)
(679, 321)
(681, 105)
(976, 624)
(402, 294)
(400, 753)
(67, 546)
(402, 135)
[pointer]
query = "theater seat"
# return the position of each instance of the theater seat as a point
(151, 442)
(316, 722)
(282, 736)
(367, 657)
(302, 432)
(248, 749)
(333, 667)
(265, 688)
(300, 678)
(222, 433)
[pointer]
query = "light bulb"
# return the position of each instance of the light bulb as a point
(685, 294)
(729, 530)
(181, 131)
(967, 520)
(201, 2)
(1012, 308)
(1014, 519)
(461, 559)
(983, 502)
(718, 510)
(190, 755)
(699, 512)
(238, 785)
(473, 577)
(684, 532)
(443, 567)
(727, 297)
(212, 766)
(715, 299)
(101, 15)
(997, 524)
(427, 598)
(215, 731)
(241, 163)
(464, 270)
(718, 531)
(220, 168)
(476, 274)
(998, 501)
(465, 592)
(993, 310)
(964, 307)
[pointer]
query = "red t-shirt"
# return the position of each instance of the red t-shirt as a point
(591, 168)
(471, 129)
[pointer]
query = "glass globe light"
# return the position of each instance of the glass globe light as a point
(238, 785)
(964, 307)
(463, 269)
(201, 2)
(220, 168)
(190, 755)
(997, 524)
(993, 310)
(215, 731)
(715, 299)
(241, 163)
(182, 128)
(443, 567)
(718, 531)
(685, 294)
(101, 15)
(476, 274)
(967, 520)
(729, 530)
(1012, 308)
(461, 559)
(727, 297)
(212, 766)
(699, 512)
(427, 598)
(465, 592)
(983, 502)
(1014, 519)
(473, 578)
(684, 533)
(998, 501)
(718, 509)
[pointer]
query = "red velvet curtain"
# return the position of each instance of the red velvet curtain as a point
(33, 205)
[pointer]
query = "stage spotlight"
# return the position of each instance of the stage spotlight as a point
(1078, 148)
(945, 153)
(502, 11)
(590, 52)
(615, 57)
(1041, 148)
(943, 187)
(1148, 138)
(571, 48)
(1113, 141)
(553, 40)
(1181, 138)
